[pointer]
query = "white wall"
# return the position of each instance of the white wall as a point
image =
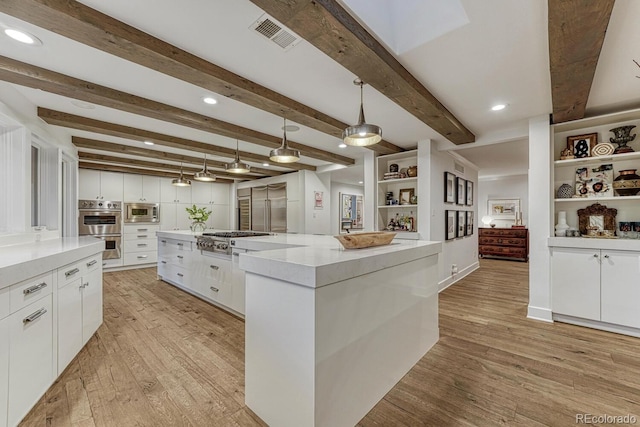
(334, 216)
(316, 220)
(463, 252)
(506, 187)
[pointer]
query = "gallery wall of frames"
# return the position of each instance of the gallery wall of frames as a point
(459, 192)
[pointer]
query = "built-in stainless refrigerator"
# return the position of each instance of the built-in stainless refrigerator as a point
(269, 208)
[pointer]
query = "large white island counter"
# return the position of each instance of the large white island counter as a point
(330, 331)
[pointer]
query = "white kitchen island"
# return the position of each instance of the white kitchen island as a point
(330, 331)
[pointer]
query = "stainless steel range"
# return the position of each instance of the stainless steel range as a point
(220, 242)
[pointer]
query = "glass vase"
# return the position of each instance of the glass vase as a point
(198, 226)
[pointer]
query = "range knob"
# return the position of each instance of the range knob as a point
(222, 246)
(100, 204)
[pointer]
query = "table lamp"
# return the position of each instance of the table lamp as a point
(486, 220)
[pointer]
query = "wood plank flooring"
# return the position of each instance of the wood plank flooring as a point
(165, 358)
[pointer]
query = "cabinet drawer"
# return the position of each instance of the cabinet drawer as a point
(140, 257)
(503, 232)
(71, 272)
(503, 251)
(219, 291)
(141, 229)
(175, 274)
(92, 263)
(140, 245)
(172, 246)
(30, 290)
(504, 241)
(5, 302)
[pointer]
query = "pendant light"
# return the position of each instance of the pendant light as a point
(204, 174)
(284, 154)
(362, 134)
(237, 166)
(181, 181)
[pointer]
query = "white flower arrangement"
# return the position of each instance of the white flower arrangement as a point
(199, 214)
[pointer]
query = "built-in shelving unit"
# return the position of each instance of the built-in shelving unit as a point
(385, 213)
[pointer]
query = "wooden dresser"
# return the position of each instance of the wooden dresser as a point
(504, 243)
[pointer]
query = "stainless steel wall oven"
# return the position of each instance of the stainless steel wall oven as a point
(102, 219)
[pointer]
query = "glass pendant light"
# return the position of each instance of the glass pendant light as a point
(284, 154)
(204, 174)
(362, 134)
(237, 166)
(181, 181)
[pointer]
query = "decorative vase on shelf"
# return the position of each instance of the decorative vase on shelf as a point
(622, 137)
(198, 226)
(412, 171)
(628, 183)
(562, 226)
(565, 191)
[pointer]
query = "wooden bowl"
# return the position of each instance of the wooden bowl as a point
(365, 240)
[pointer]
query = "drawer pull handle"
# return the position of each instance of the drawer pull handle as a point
(214, 289)
(595, 255)
(180, 274)
(164, 262)
(236, 254)
(215, 267)
(180, 256)
(71, 272)
(142, 245)
(606, 256)
(142, 236)
(34, 316)
(94, 262)
(163, 241)
(180, 244)
(142, 256)
(34, 288)
(142, 229)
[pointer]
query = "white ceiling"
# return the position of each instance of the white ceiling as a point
(499, 56)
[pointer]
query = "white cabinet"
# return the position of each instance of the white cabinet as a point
(173, 216)
(79, 307)
(406, 207)
(170, 193)
(576, 282)
(597, 284)
(141, 188)
(140, 245)
(30, 357)
(620, 290)
(174, 261)
(4, 370)
(209, 193)
(100, 185)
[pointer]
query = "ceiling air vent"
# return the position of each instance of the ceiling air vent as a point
(276, 32)
(458, 167)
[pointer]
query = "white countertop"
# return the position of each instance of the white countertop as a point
(316, 261)
(179, 234)
(594, 243)
(22, 261)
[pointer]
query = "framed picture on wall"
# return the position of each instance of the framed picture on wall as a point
(461, 188)
(449, 187)
(469, 193)
(450, 224)
(469, 231)
(503, 208)
(462, 223)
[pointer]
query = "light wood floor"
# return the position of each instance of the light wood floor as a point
(164, 358)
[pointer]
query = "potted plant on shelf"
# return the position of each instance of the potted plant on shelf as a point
(199, 217)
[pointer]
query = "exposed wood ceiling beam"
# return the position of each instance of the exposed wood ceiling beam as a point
(39, 78)
(330, 28)
(88, 26)
(72, 121)
(123, 161)
(140, 171)
(92, 144)
(576, 32)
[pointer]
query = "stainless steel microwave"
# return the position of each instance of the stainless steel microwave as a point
(142, 212)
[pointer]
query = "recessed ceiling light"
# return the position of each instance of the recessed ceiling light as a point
(149, 143)
(498, 107)
(23, 37)
(265, 164)
(343, 145)
(84, 105)
(209, 100)
(360, 182)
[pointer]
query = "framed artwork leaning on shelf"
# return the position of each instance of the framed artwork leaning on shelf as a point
(581, 145)
(449, 187)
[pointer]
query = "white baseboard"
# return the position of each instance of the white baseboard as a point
(539, 313)
(444, 284)
(107, 269)
(619, 329)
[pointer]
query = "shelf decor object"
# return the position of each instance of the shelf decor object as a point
(598, 216)
(581, 145)
(199, 217)
(361, 134)
(565, 191)
(365, 240)
(622, 137)
(595, 182)
(603, 149)
(627, 183)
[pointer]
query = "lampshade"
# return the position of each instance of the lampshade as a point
(181, 181)
(204, 175)
(237, 166)
(362, 134)
(284, 154)
(486, 220)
